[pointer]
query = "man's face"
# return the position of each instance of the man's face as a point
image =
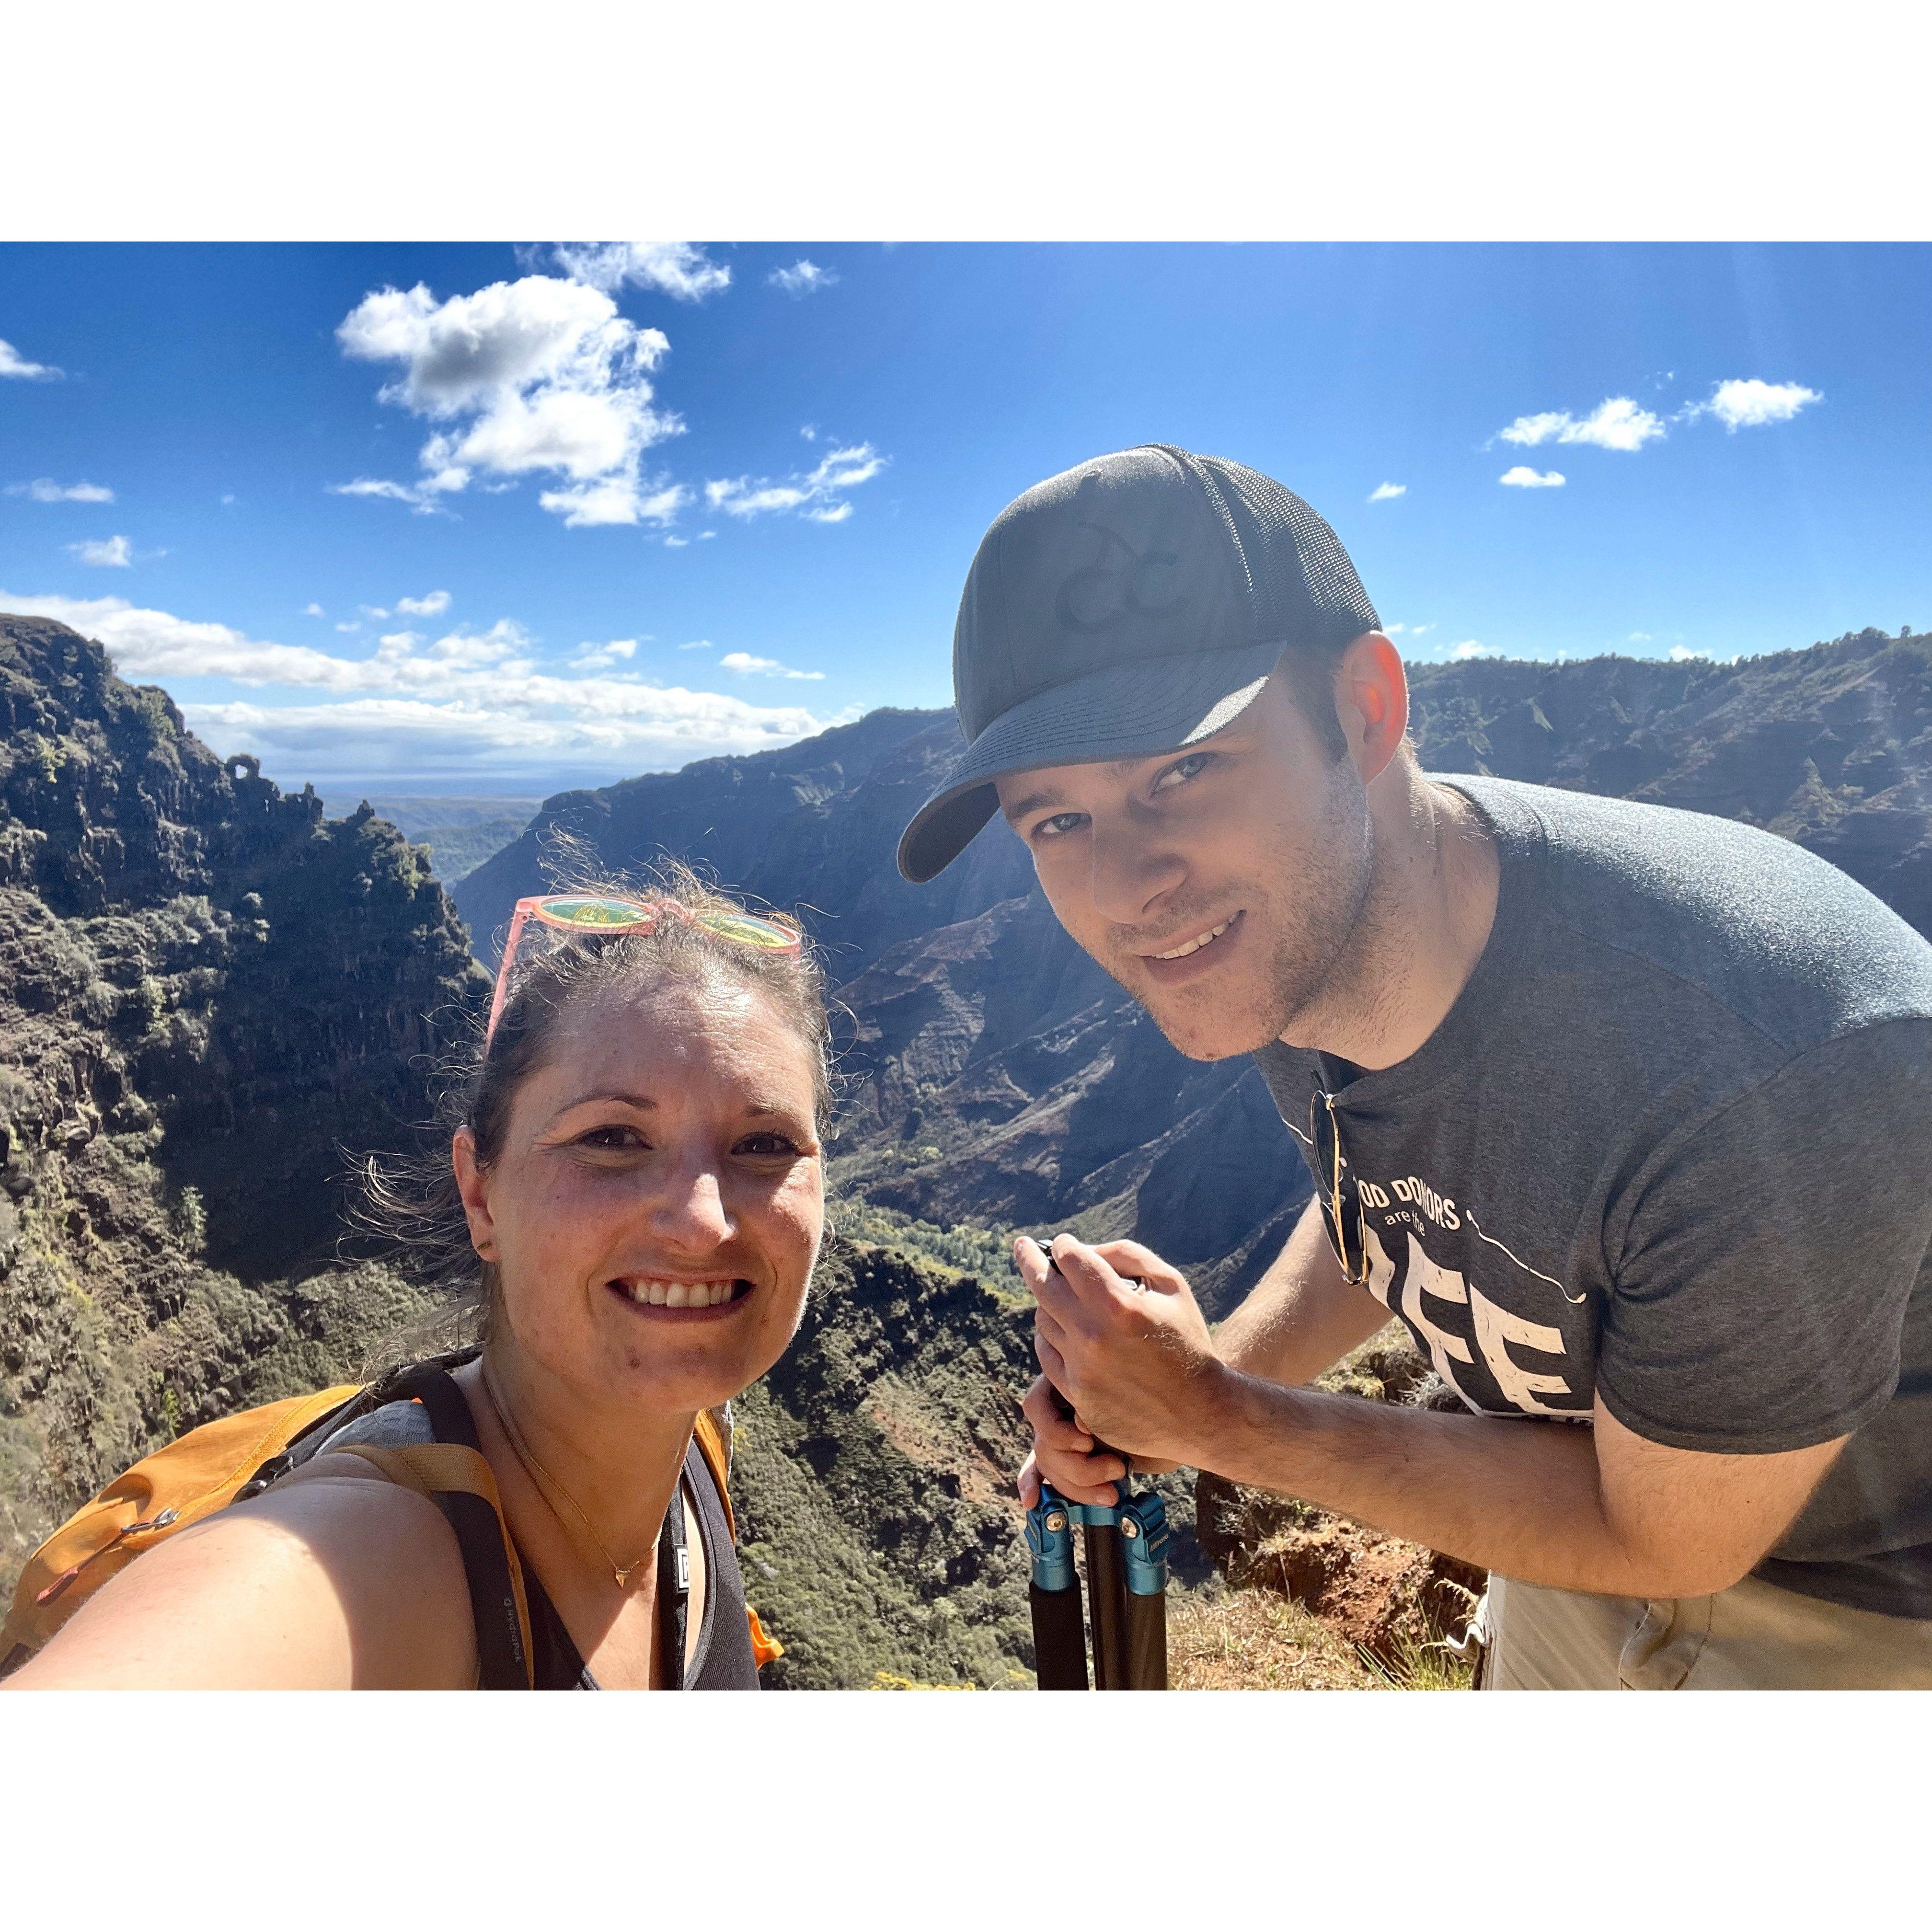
(1220, 886)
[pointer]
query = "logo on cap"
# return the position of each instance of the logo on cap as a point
(1115, 586)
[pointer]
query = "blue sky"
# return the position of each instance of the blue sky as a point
(654, 502)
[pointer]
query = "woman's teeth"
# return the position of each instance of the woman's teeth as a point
(1200, 940)
(680, 1293)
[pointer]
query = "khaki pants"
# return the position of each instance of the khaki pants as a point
(1753, 1636)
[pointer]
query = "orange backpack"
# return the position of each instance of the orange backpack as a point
(235, 1459)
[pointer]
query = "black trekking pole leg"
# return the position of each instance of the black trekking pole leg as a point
(1106, 1603)
(1053, 1592)
(1146, 1641)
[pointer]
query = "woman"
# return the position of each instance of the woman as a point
(637, 1177)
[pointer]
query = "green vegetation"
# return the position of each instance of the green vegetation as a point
(986, 1253)
(873, 1473)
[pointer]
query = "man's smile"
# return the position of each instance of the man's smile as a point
(1195, 954)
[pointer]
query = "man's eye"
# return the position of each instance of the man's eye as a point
(1182, 770)
(1059, 825)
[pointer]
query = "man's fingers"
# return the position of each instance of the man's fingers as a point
(1081, 1479)
(1049, 1423)
(1050, 1358)
(1129, 1259)
(1095, 1285)
(1029, 1481)
(1062, 1450)
(1050, 1287)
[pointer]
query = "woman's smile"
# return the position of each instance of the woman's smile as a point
(663, 1298)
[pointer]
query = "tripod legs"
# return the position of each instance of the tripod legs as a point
(1126, 1547)
(1059, 1637)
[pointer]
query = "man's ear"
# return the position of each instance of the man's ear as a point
(471, 1184)
(1372, 702)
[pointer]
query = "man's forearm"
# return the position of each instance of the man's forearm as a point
(1302, 1316)
(1523, 1497)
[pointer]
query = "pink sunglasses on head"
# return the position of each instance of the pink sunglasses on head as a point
(578, 912)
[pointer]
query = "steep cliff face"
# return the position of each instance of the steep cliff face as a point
(205, 989)
(994, 1074)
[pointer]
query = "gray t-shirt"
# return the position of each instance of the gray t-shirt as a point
(1672, 1147)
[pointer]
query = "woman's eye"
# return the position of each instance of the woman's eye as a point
(1184, 769)
(1059, 825)
(612, 1138)
(768, 1146)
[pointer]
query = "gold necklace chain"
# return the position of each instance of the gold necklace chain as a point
(621, 1573)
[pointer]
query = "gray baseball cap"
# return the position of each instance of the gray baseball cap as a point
(1132, 605)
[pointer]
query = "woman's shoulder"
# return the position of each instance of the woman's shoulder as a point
(334, 1578)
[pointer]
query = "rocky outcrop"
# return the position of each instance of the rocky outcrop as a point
(207, 990)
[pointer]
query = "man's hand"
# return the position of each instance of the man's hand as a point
(1118, 1334)
(1064, 1454)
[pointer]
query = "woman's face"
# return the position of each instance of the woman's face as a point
(656, 1207)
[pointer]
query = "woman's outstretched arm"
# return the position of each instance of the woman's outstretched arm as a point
(336, 1580)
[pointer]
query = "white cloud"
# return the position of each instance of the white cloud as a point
(433, 605)
(1617, 422)
(817, 493)
(743, 665)
(464, 701)
(313, 610)
(542, 374)
(112, 552)
(679, 268)
(1749, 404)
(421, 499)
(698, 644)
(1640, 637)
(45, 489)
(1524, 477)
(1383, 493)
(616, 500)
(1469, 648)
(802, 278)
(1683, 653)
(601, 656)
(12, 363)
(349, 626)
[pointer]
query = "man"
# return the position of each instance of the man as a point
(1626, 1112)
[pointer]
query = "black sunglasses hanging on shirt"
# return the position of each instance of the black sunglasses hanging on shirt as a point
(1341, 1199)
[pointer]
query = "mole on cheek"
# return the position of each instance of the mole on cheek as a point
(633, 1360)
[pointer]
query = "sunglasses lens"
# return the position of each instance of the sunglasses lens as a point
(765, 934)
(593, 913)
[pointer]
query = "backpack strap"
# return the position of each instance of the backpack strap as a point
(458, 1481)
(451, 1471)
(710, 1441)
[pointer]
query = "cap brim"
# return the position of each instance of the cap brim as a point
(1126, 711)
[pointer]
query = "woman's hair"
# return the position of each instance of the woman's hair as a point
(410, 1203)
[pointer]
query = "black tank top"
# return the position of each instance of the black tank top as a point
(722, 1660)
